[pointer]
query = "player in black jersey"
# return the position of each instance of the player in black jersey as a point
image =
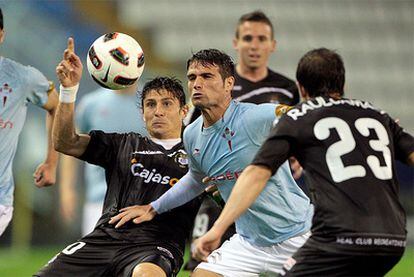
(256, 83)
(138, 170)
(348, 148)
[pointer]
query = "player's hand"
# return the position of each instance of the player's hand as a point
(69, 70)
(137, 214)
(204, 245)
(45, 175)
(212, 188)
(295, 167)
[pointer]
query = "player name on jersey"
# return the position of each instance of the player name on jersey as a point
(320, 102)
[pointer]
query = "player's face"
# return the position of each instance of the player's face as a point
(207, 87)
(163, 115)
(254, 45)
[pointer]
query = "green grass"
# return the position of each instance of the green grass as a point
(25, 263)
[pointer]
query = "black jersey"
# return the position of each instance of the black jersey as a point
(138, 171)
(275, 88)
(347, 148)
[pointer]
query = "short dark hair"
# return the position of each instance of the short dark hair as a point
(1, 19)
(208, 57)
(321, 72)
(255, 16)
(170, 84)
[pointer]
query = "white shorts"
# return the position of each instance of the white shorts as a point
(91, 214)
(237, 257)
(6, 213)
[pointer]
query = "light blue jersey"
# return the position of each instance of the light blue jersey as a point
(19, 85)
(110, 112)
(224, 149)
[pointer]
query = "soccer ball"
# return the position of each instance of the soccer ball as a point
(115, 61)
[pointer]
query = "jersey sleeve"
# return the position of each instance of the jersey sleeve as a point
(259, 120)
(403, 141)
(278, 146)
(102, 148)
(38, 87)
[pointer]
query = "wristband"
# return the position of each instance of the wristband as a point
(68, 95)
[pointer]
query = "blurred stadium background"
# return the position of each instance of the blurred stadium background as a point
(375, 37)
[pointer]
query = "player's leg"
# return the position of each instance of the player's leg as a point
(148, 270)
(204, 273)
(6, 213)
(137, 260)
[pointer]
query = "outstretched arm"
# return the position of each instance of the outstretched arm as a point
(186, 189)
(65, 138)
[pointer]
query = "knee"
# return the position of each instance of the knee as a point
(148, 270)
(204, 273)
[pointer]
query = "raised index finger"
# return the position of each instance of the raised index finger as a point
(71, 44)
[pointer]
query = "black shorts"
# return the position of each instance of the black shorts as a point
(109, 258)
(311, 261)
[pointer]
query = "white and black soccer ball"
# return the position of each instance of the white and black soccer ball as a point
(115, 61)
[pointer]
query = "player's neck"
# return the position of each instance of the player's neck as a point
(252, 74)
(166, 143)
(212, 114)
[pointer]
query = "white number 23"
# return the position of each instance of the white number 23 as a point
(346, 144)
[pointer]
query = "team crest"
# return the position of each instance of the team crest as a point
(228, 135)
(282, 109)
(181, 158)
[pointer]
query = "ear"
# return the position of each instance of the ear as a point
(274, 45)
(2, 34)
(184, 111)
(302, 91)
(235, 43)
(229, 84)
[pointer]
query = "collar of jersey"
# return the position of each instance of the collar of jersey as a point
(221, 122)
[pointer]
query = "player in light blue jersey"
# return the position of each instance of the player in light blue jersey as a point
(109, 111)
(19, 86)
(220, 145)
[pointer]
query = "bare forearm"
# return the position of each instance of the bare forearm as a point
(248, 187)
(65, 138)
(51, 156)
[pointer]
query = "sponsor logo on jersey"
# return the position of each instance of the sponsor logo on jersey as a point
(5, 91)
(5, 124)
(228, 175)
(151, 175)
(228, 135)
